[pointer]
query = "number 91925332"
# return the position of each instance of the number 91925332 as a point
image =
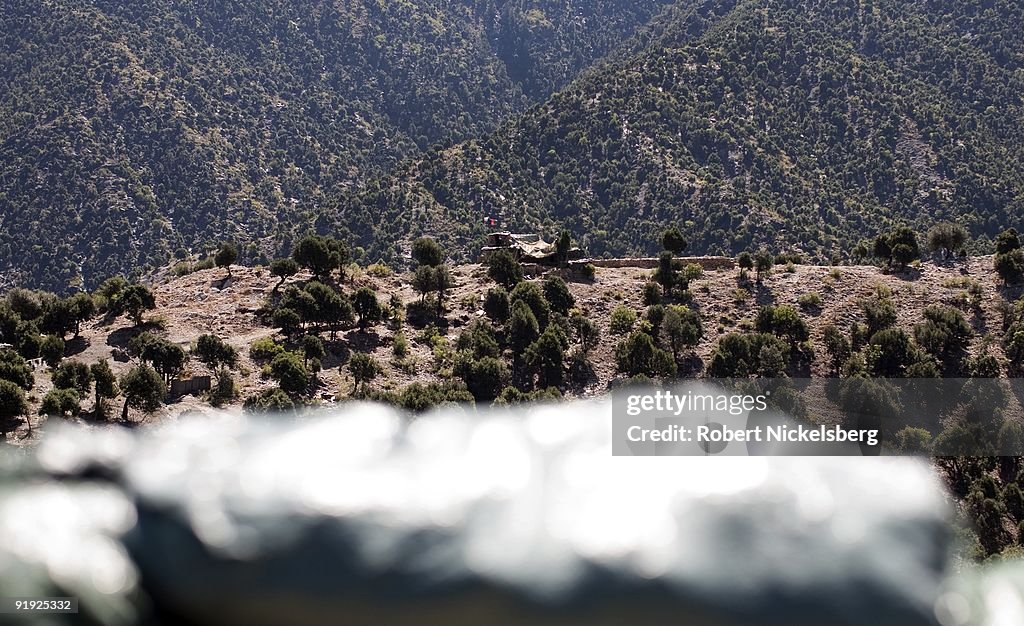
(38, 605)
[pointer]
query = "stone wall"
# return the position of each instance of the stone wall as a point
(709, 263)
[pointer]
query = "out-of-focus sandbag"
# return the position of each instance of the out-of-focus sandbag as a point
(361, 517)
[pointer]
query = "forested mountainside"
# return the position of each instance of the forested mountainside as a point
(133, 131)
(751, 122)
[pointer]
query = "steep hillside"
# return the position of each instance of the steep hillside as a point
(746, 122)
(201, 303)
(129, 131)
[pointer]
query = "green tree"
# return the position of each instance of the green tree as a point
(59, 402)
(947, 237)
(504, 269)
(426, 251)
(681, 329)
(283, 269)
(880, 313)
(738, 356)
(143, 389)
(546, 357)
(443, 283)
(666, 274)
(81, 308)
(563, 245)
(73, 375)
(891, 353)
(14, 368)
(673, 241)
(12, 400)
(424, 280)
(1010, 266)
(558, 295)
(226, 256)
(272, 400)
(287, 320)
(763, 264)
(167, 358)
(523, 328)
(312, 348)
(944, 333)
(367, 307)
(782, 321)
(897, 247)
(497, 305)
(364, 368)
(320, 255)
(134, 300)
(106, 384)
(652, 293)
(586, 332)
(746, 262)
(57, 319)
(52, 350)
(837, 346)
(215, 352)
(479, 340)
(913, 441)
(484, 377)
(533, 296)
(638, 356)
(289, 372)
(1007, 241)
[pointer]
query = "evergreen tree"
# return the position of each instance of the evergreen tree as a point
(143, 389)
(523, 328)
(503, 268)
(133, 301)
(497, 305)
(426, 251)
(215, 352)
(312, 348)
(947, 237)
(673, 241)
(106, 385)
(289, 372)
(367, 307)
(58, 402)
(226, 256)
(557, 294)
(73, 375)
(52, 350)
(546, 357)
(533, 296)
(12, 400)
(364, 368)
(681, 328)
(320, 255)
(638, 356)
(283, 269)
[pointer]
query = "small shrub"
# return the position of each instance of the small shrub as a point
(379, 270)
(652, 293)
(622, 320)
(809, 301)
(265, 349)
(400, 348)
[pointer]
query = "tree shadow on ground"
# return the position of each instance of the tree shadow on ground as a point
(75, 346)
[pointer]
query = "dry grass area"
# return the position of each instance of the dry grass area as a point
(202, 303)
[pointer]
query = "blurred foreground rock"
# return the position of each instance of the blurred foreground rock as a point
(362, 517)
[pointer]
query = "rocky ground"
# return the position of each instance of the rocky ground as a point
(204, 302)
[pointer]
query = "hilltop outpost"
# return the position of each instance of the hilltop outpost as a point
(530, 249)
(526, 248)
